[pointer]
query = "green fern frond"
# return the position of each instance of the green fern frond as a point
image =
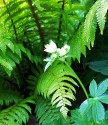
(77, 44)
(45, 112)
(16, 114)
(88, 21)
(9, 59)
(92, 33)
(8, 97)
(22, 29)
(4, 43)
(10, 52)
(101, 12)
(32, 79)
(57, 82)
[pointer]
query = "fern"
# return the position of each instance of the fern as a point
(16, 114)
(55, 82)
(44, 108)
(25, 27)
(85, 35)
(78, 45)
(9, 57)
(11, 52)
(8, 60)
(99, 9)
(33, 78)
(8, 97)
(101, 12)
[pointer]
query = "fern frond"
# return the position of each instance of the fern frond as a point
(101, 12)
(10, 52)
(16, 114)
(77, 44)
(20, 23)
(85, 35)
(32, 79)
(45, 112)
(8, 97)
(9, 59)
(88, 21)
(57, 82)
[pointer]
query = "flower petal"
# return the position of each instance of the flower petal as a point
(51, 47)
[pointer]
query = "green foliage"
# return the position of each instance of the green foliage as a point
(33, 79)
(85, 36)
(16, 114)
(100, 66)
(11, 54)
(99, 9)
(25, 27)
(92, 110)
(44, 108)
(57, 82)
(9, 96)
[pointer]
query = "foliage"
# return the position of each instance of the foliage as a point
(26, 26)
(56, 82)
(16, 114)
(43, 109)
(91, 111)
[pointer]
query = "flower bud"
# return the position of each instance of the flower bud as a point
(62, 51)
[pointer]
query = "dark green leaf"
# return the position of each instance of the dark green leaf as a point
(99, 66)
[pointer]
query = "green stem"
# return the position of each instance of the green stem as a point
(84, 89)
(81, 84)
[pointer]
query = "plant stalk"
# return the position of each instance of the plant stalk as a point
(81, 84)
(61, 19)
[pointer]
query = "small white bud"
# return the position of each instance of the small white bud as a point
(62, 52)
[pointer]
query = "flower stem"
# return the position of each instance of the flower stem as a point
(81, 84)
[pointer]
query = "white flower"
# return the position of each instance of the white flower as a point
(51, 47)
(62, 51)
(66, 47)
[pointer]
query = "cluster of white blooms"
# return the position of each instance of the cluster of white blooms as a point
(55, 52)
